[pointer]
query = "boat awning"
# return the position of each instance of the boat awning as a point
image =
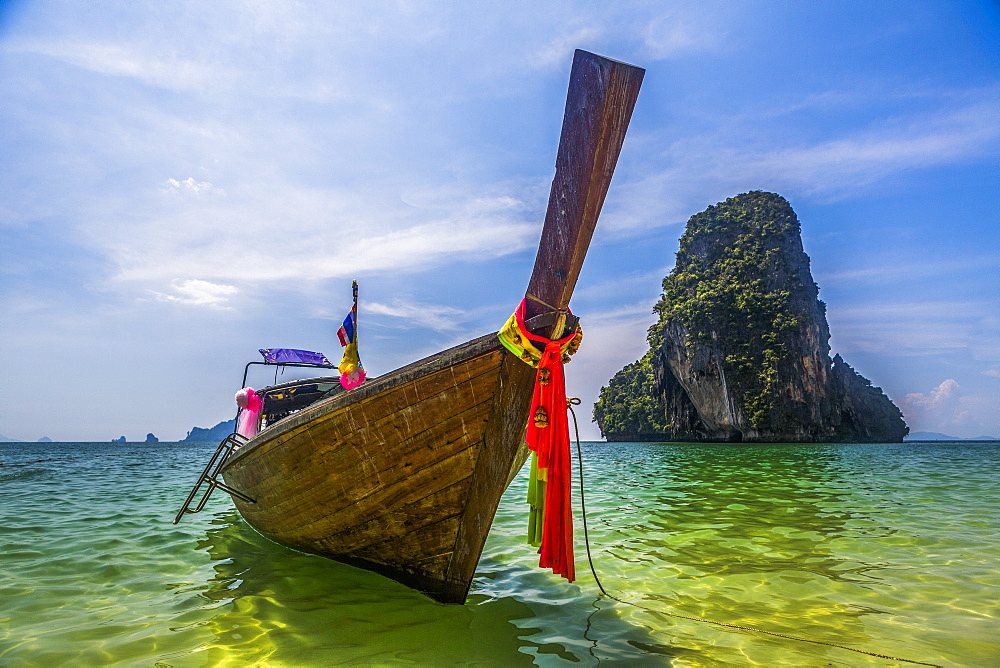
(292, 356)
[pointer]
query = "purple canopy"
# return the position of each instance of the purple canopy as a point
(291, 355)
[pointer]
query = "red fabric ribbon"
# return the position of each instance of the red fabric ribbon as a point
(548, 437)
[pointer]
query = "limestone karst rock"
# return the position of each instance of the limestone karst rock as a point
(741, 350)
(211, 434)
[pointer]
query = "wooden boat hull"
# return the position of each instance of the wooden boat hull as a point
(403, 474)
(390, 476)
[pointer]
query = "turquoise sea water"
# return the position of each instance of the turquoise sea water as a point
(892, 548)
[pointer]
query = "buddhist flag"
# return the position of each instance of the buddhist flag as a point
(352, 373)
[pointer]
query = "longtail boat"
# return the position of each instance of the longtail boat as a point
(403, 474)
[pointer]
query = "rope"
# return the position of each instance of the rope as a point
(586, 537)
(544, 303)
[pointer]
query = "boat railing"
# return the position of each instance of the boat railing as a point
(210, 477)
(282, 365)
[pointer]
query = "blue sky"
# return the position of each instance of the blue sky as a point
(184, 183)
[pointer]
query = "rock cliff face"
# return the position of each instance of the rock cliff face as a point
(741, 350)
(212, 434)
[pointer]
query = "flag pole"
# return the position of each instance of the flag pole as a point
(354, 287)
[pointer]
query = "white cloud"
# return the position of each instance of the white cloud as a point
(190, 185)
(939, 398)
(916, 328)
(946, 409)
(280, 232)
(123, 60)
(909, 270)
(197, 292)
(683, 30)
(673, 178)
(559, 51)
(633, 286)
(433, 316)
(863, 158)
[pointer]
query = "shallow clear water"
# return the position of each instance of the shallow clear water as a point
(894, 549)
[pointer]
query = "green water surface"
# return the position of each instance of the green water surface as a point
(893, 549)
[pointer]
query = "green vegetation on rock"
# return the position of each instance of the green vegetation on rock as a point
(630, 405)
(733, 282)
(740, 350)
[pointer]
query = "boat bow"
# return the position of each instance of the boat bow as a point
(403, 475)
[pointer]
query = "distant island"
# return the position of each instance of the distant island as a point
(214, 434)
(937, 436)
(741, 351)
(196, 434)
(150, 438)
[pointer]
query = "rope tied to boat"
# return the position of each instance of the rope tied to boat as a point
(530, 348)
(573, 401)
(550, 523)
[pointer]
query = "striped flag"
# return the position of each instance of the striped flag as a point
(346, 331)
(352, 372)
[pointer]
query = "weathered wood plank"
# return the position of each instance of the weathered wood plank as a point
(357, 397)
(418, 525)
(392, 495)
(299, 527)
(502, 444)
(602, 95)
(422, 514)
(420, 549)
(334, 432)
(375, 453)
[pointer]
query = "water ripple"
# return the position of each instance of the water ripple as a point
(886, 547)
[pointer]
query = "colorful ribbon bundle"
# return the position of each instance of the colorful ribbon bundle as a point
(548, 439)
(352, 372)
(251, 406)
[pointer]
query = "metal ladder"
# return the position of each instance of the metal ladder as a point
(210, 476)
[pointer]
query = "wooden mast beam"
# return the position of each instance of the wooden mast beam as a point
(602, 95)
